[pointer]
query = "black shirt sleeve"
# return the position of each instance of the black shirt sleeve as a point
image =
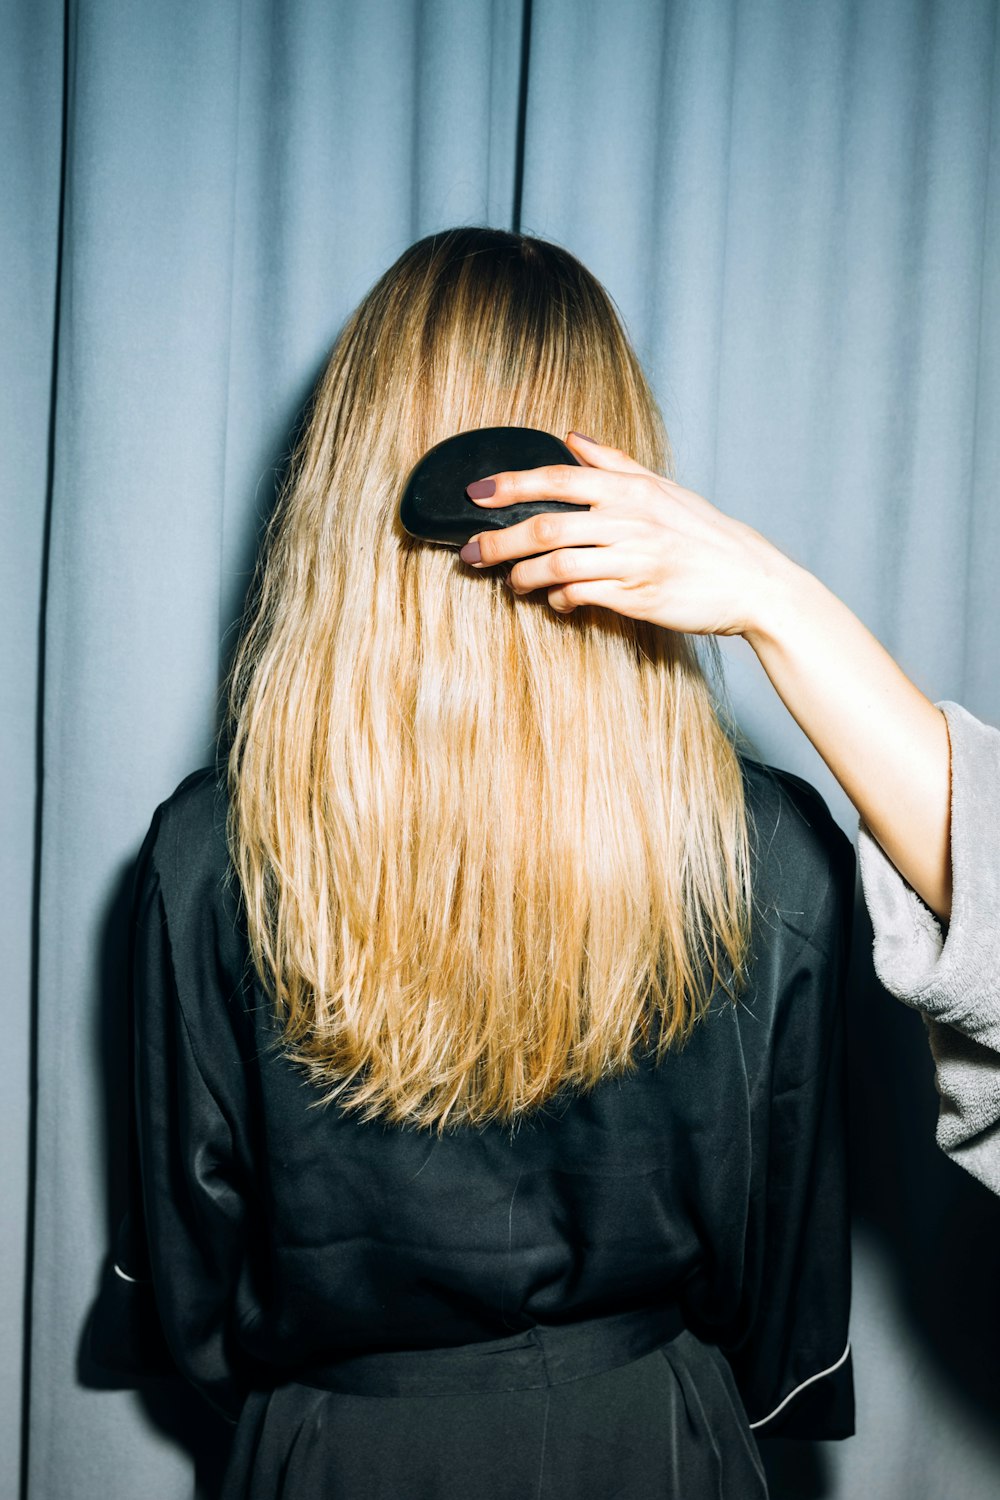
(196, 1187)
(793, 1364)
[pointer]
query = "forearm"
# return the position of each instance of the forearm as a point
(884, 741)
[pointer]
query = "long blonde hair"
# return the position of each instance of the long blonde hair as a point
(485, 850)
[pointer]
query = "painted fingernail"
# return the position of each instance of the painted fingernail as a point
(470, 552)
(583, 435)
(482, 489)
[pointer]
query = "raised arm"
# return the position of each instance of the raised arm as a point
(884, 741)
(653, 550)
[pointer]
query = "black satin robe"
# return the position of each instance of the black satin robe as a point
(282, 1235)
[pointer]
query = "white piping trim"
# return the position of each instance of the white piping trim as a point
(818, 1376)
(135, 1280)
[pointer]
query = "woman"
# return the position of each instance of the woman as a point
(925, 779)
(487, 1003)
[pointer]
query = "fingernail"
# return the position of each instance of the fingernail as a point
(482, 489)
(470, 552)
(583, 435)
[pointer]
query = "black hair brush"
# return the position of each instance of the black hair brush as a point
(435, 507)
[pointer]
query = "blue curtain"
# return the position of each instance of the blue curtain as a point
(796, 207)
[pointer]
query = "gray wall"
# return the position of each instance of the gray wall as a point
(796, 207)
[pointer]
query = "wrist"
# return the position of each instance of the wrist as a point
(780, 596)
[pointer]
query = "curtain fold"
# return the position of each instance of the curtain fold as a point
(236, 176)
(795, 207)
(31, 85)
(804, 202)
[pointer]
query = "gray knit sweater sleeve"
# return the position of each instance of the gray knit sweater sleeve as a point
(953, 978)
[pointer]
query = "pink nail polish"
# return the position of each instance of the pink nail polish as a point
(481, 489)
(471, 552)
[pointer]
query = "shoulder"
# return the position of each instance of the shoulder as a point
(185, 845)
(802, 862)
(188, 823)
(184, 862)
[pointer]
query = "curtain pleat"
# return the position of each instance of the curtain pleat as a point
(796, 208)
(236, 176)
(31, 85)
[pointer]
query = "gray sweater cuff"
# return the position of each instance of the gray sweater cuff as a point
(953, 979)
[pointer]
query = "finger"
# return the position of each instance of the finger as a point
(545, 532)
(600, 456)
(583, 486)
(568, 565)
(605, 592)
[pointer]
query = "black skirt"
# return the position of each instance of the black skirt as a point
(506, 1420)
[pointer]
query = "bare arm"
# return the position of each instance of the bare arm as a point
(653, 550)
(884, 741)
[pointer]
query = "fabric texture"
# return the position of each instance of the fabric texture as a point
(667, 1426)
(953, 977)
(282, 1236)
